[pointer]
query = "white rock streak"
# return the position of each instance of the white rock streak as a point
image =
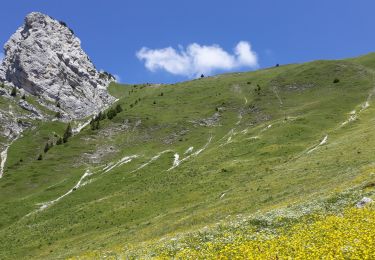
(189, 150)
(152, 160)
(324, 141)
(122, 161)
(352, 117)
(229, 133)
(239, 119)
(365, 106)
(229, 139)
(81, 182)
(177, 160)
(240, 113)
(3, 156)
(252, 138)
(78, 185)
(80, 126)
(266, 128)
(277, 95)
(203, 148)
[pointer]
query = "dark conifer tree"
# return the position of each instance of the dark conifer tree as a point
(46, 147)
(68, 133)
(14, 92)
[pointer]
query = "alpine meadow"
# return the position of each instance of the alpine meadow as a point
(273, 163)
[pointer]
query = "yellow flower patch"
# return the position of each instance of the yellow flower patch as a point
(350, 236)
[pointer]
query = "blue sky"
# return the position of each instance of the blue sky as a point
(204, 36)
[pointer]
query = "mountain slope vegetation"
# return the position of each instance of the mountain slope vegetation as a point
(178, 158)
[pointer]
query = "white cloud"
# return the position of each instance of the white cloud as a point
(197, 59)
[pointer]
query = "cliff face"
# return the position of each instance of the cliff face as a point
(45, 59)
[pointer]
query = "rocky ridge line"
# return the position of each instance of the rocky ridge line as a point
(45, 59)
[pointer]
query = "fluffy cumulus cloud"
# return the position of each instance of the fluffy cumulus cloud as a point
(197, 59)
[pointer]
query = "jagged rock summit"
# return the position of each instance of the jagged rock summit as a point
(45, 58)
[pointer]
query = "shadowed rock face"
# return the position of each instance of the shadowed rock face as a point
(44, 58)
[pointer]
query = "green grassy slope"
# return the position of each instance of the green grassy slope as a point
(254, 149)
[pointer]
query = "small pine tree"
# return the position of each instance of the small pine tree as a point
(59, 141)
(101, 116)
(2, 85)
(14, 92)
(118, 108)
(98, 117)
(68, 133)
(336, 80)
(40, 157)
(46, 147)
(94, 124)
(58, 104)
(58, 115)
(23, 97)
(111, 113)
(258, 89)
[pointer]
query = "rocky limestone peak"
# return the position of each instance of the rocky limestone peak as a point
(45, 58)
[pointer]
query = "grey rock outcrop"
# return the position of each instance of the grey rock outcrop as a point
(363, 202)
(28, 107)
(45, 58)
(10, 127)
